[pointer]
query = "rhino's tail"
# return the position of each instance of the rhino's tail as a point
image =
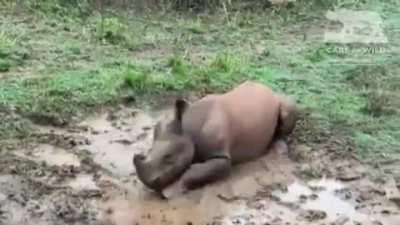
(288, 115)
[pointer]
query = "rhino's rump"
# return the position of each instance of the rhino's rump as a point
(253, 122)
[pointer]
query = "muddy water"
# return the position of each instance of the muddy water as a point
(338, 203)
(51, 155)
(83, 182)
(66, 188)
(114, 142)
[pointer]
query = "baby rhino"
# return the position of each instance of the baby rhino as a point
(205, 138)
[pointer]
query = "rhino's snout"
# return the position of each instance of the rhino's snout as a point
(155, 183)
(144, 173)
(139, 163)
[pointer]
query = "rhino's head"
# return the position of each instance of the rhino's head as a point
(171, 153)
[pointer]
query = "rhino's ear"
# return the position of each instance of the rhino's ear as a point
(180, 107)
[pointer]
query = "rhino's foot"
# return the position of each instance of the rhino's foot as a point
(174, 190)
(197, 175)
(209, 171)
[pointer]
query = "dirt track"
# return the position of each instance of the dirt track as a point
(84, 175)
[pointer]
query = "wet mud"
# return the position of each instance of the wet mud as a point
(83, 174)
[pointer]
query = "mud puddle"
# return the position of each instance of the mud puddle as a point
(320, 195)
(51, 155)
(84, 175)
(113, 141)
(332, 202)
(83, 182)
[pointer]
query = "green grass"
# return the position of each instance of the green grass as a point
(61, 95)
(8, 56)
(55, 68)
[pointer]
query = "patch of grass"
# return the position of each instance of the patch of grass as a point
(183, 77)
(10, 55)
(378, 104)
(178, 66)
(6, 45)
(13, 126)
(57, 8)
(73, 48)
(137, 80)
(222, 73)
(4, 65)
(225, 63)
(61, 96)
(195, 27)
(112, 30)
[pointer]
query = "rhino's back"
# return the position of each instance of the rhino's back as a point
(240, 123)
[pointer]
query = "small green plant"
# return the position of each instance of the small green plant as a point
(9, 54)
(364, 141)
(178, 66)
(13, 126)
(196, 27)
(74, 49)
(137, 80)
(318, 55)
(170, 83)
(110, 29)
(224, 63)
(378, 104)
(6, 45)
(141, 81)
(4, 65)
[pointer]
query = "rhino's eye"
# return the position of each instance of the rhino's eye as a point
(168, 158)
(179, 147)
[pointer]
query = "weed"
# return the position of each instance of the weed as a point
(225, 63)
(4, 65)
(137, 80)
(74, 49)
(378, 104)
(6, 45)
(13, 126)
(10, 55)
(309, 173)
(196, 27)
(110, 29)
(178, 66)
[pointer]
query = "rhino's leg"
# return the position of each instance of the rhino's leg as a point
(199, 174)
(203, 173)
(288, 115)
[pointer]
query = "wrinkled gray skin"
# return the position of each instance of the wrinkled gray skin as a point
(204, 139)
(171, 154)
